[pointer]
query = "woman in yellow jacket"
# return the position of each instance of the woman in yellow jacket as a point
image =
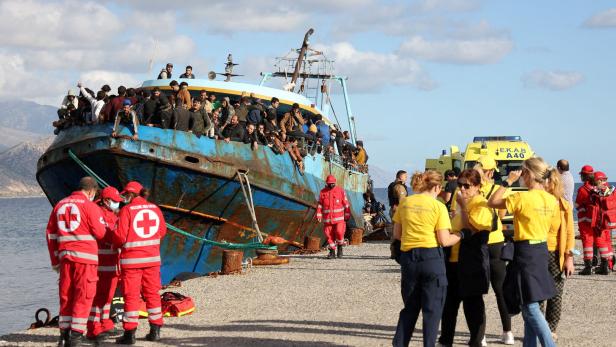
(560, 246)
(535, 212)
(421, 224)
(468, 264)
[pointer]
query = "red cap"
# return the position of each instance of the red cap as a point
(330, 179)
(132, 187)
(587, 169)
(600, 176)
(111, 193)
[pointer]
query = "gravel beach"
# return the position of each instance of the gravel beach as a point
(313, 301)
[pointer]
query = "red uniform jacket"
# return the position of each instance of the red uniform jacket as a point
(333, 206)
(74, 226)
(141, 226)
(584, 203)
(107, 254)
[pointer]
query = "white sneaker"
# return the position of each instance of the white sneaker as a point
(484, 343)
(507, 338)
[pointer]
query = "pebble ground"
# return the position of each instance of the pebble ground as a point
(354, 301)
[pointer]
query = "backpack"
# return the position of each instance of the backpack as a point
(176, 304)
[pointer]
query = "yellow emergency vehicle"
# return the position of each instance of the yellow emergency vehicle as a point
(446, 161)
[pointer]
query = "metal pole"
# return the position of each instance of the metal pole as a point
(264, 77)
(347, 104)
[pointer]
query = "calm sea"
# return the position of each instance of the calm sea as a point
(28, 282)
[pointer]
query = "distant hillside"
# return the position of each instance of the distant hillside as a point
(18, 168)
(24, 121)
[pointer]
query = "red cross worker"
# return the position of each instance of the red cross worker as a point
(333, 210)
(75, 225)
(585, 209)
(100, 324)
(141, 227)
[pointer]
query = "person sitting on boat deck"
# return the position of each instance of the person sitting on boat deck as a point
(254, 117)
(272, 131)
(126, 117)
(163, 111)
(114, 105)
(149, 114)
(166, 72)
(183, 96)
(106, 89)
(323, 130)
(296, 155)
(215, 103)
(199, 122)
(250, 136)
(233, 131)
(361, 157)
(291, 124)
(226, 110)
(205, 103)
(67, 119)
(188, 73)
(242, 111)
(96, 104)
(69, 99)
(273, 107)
(142, 97)
(262, 138)
(181, 118)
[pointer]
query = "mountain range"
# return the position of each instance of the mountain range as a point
(26, 133)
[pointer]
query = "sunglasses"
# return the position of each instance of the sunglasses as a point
(463, 185)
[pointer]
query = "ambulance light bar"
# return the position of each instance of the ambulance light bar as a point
(496, 138)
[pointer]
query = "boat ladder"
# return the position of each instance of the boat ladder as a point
(247, 191)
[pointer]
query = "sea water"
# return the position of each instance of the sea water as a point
(27, 281)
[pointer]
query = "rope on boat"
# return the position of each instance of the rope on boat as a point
(221, 244)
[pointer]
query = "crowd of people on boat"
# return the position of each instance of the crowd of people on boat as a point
(450, 254)
(246, 119)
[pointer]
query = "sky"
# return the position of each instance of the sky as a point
(422, 75)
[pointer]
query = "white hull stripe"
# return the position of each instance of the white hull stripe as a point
(142, 243)
(76, 238)
(107, 251)
(107, 269)
(129, 261)
(78, 255)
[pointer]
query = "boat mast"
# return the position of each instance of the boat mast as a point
(300, 58)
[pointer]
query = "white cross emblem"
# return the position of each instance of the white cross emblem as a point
(68, 217)
(146, 223)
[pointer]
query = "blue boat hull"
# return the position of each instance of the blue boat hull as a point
(194, 181)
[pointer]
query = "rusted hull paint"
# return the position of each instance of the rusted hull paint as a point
(196, 178)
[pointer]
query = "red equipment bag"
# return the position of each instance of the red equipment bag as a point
(176, 304)
(609, 219)
(608, 203)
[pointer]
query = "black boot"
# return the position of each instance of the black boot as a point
(128, 338)
(339, 251)
(603, 268)
(75, 339)
(64, 340)
(587, 268)
(154, 334)
(332, 254)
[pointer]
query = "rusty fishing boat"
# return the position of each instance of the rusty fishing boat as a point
(211, 189)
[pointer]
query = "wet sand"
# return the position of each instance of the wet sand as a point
(313, 301)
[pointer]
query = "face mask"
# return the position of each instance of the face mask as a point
(331, 185)
(114, 206)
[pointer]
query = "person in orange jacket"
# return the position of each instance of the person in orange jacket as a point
(99, 323)
(333, 210)
(75, 225)
(141, 227)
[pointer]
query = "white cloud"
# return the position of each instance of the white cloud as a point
(458, 51)
(95, 79)
(372, 71)
(552, 80)
(605, 19)
(447, 5)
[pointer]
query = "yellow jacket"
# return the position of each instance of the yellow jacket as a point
(566, 241)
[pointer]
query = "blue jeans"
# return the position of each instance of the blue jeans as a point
(535, 327)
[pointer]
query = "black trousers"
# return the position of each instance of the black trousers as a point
(423, 287)
(497, 278)
(474, 311)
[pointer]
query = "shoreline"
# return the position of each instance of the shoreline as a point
(354, 301)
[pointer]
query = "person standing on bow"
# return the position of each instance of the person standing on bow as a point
(528, 280)
(99, 323)
(75, 224)
(141, 226)
(333, 210)
(421, 229)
